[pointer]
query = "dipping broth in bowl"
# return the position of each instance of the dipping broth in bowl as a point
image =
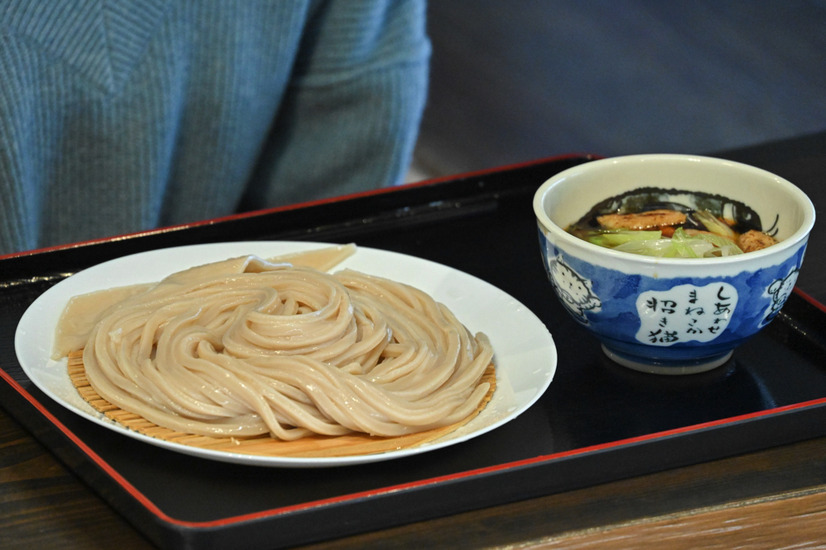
(674, 223)
(659, 305)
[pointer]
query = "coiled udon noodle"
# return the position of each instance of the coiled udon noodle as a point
(247, 347)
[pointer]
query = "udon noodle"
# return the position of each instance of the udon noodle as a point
(247, 346)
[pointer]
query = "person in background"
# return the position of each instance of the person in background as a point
(126, 115)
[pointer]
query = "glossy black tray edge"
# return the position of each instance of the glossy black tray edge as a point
(352, 214)
(429, 498)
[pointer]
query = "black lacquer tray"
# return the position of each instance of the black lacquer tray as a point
(598, 422)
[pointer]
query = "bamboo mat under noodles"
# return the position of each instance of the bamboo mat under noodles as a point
(264, 445)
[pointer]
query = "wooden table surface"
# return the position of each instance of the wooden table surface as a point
(769, 499)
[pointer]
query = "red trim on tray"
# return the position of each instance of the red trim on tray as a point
(507, 466)
(149, 505)
(813, 301)
(140, 497)
(296, 206)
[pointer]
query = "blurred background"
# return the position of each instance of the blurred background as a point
(520, 80)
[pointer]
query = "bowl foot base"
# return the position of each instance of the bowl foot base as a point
(692, 368)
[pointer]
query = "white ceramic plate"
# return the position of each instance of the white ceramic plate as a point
(525, 354)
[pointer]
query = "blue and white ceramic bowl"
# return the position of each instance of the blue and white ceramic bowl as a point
(671, 315)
